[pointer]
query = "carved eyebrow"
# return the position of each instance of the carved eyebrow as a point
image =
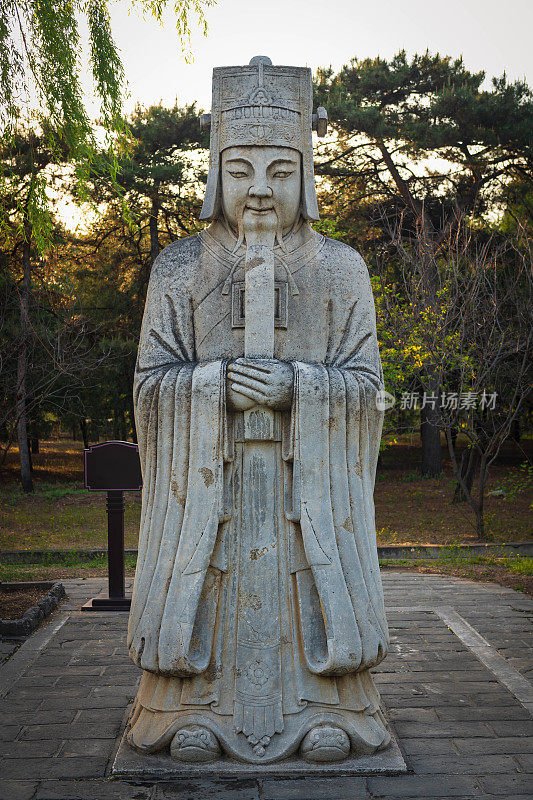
(238, 161)
(288, 161)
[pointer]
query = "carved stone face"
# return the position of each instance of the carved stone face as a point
(261, 185)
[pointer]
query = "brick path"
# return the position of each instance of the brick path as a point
(464, 734)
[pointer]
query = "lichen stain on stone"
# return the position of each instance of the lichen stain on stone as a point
(213, 672)
(178, 494)
(255, 261)
(252, 601)
(207, 475)
(255, 553)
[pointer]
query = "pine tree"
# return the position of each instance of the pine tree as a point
(393, 120)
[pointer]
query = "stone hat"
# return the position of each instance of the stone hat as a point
(262, 104)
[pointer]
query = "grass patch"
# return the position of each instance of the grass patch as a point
(522, 566)
(514, 572)
(68, 566)
(13, 494)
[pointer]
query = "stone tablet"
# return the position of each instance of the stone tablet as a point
(257, 610)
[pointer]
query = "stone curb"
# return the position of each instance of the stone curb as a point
(33, 616)
(391, 551)
(462, 550)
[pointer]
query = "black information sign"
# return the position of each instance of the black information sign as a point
(113, 467)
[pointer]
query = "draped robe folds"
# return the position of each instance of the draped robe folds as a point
(322, 618)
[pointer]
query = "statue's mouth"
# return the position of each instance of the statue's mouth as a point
(259, 210)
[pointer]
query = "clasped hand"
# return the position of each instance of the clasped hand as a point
(259, 382)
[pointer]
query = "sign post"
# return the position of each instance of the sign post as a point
(113, 467)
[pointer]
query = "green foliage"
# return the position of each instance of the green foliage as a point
(522, 566)
(161, 180)
(39, 48)
(328, 227)
(158, 166)
(40, 84)
(517, 481)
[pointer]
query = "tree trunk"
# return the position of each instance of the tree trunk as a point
(454, 434)
(115, 418)
(431, 465)
(129, 406)
(123, 427)
(33, 432)
(84, 433)
(154, 231)
(469, 468)
(22, 364)
(31, 459)
(480, 526)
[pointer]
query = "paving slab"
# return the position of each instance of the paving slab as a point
(221, 790)
(455, 685)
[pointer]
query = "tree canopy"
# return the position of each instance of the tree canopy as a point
(40, 79)
(423, 134)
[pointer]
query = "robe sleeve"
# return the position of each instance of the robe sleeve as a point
(336, 430)
(178, 403)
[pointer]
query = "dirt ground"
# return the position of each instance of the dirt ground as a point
(414, 510)
(409, 509)
(13, 604)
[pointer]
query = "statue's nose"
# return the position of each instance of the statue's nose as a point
(260, 190)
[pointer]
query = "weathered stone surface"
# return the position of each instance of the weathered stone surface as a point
(220, 789)
(317, 788)
(131, 765)
(425, 786)
(17, 790)
(92, 790)
(504, 785)
(257, 608)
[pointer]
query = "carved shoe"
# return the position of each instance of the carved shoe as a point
(194, 743)
(325, 743)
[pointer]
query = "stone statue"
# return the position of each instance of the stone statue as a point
(257, 608)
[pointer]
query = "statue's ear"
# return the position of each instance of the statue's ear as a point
(308, 196)
(211, 208)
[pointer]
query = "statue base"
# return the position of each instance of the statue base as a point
(129, 765)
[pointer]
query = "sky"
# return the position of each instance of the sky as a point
(489, 34)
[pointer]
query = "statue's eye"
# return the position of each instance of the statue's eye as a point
(238, 173)
(282, 173)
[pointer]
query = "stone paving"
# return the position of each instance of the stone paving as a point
(463, 733)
